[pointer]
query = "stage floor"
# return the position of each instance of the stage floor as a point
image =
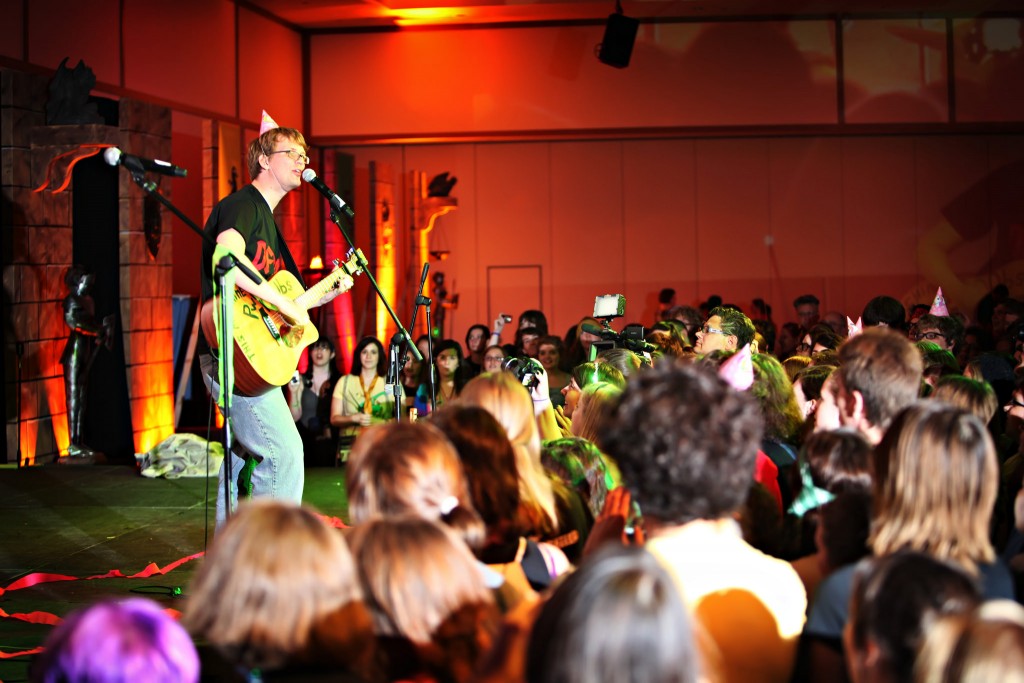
(84, 521)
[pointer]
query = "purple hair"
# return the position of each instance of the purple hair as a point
(118, 642)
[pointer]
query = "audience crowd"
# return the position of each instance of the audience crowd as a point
(712, 498)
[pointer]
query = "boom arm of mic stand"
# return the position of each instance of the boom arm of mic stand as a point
(150, 188)
(373, 282)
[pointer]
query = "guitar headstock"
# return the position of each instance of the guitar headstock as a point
(352, 263)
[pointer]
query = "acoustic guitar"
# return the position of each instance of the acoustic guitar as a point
(267, 346)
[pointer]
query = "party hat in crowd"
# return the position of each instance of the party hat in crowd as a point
(738, 370)
(939, 305)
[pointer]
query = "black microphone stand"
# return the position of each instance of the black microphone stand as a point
(226, 342)
(394, 372)
(425, 302)
(398, 342)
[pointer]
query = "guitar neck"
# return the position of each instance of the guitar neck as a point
(317, 291)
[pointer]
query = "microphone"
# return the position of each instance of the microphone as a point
(416, 309)
(423, 283)
(309, 175)
(115, 157)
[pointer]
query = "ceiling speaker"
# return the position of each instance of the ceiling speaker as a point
(619, 36)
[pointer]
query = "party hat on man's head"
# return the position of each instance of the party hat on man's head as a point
(853, 328)
(267, 123)
(939, 305)
(738, 370)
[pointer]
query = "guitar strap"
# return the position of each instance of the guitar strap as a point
(286, 254)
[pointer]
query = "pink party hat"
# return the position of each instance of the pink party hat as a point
(267, 123)
(939, 305)
(738, 370)
(853, 328)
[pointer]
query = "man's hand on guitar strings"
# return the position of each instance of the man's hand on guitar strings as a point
(295, 314)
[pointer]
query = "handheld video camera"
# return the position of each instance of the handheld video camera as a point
(606, 308)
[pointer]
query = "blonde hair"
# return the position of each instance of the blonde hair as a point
(594, 409)
(974, 396)
(936, 479)
(987, 645)
(264, 145)
(418, 578)
(500, 394)
(410, 468)
(274, 576)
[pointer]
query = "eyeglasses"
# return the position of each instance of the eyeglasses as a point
(1014, 403)
(707, 329)
(294, 155)
(928, 336)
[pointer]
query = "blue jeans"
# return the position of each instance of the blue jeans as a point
(262, 426)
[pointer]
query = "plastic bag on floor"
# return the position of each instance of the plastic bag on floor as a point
(181, 455)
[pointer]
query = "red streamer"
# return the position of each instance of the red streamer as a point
(39, 578)
(23, 653)
(151, 570)
(334, 521)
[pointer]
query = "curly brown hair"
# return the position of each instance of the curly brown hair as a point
(685, 442)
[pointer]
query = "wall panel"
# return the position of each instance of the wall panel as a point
(269, 70)
(895, 70)
(85, 30)
(158, 60)
(485, 80)
(879, 218)
(989, 64)
(733, 219)
(847, 217)
(187, 152)
(660, 224)
(806, 219)
(514, 196)
(12, 35)
(587, 230)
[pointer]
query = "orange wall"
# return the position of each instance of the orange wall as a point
(548, 78)
(187, 152)
(203, 56)
(758, 217)
(843, 215)
(748, 73)
(182, 54)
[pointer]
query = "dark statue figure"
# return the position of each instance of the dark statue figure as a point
(152, 226)
(87, 336)
(441, 185)
(69, 96)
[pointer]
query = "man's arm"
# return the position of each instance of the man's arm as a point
(233, 240)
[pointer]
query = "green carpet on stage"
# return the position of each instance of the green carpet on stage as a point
(83, 521)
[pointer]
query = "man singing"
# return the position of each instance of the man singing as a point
(243, 222)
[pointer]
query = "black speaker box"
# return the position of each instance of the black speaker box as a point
(619, 36)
